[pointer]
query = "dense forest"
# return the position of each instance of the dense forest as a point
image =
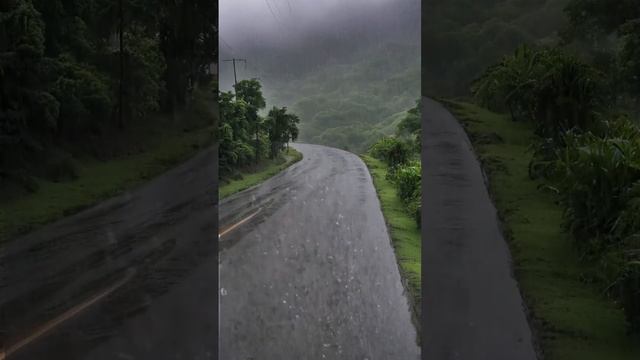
(246, 137)
(93, 79)
(573, 75)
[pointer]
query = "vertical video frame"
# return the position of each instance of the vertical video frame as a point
(531, 179)
(319, 159)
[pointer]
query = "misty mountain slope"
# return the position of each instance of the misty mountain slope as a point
(348, 75)
(351, 105)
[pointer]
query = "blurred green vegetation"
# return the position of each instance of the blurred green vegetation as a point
(463, 37)
(573, 317)
(572, 104)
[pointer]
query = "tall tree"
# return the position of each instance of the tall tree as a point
(251, 92)
(282, 128)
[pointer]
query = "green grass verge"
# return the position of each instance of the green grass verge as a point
(156, 144)
(248, 177)
(403, 230)
(572, 317)
(98, 181)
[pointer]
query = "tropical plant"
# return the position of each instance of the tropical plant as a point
(511, 84)
(407, 178)
(553, 89)
(596, 177)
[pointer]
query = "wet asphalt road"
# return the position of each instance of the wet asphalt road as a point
(472, 308)
(313, 274)
(149, 242)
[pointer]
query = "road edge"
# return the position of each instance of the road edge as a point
(261, 176)
(412, 299)
(534, 322)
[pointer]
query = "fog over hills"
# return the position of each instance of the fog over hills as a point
(348, 68)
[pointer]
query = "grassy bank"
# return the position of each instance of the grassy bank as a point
(168, 142)
(404, 232)
(250, 176)
(572, 317)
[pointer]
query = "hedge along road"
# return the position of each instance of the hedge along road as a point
(472, 305)
(312, 274)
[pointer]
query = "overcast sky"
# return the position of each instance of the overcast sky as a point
(303, 32)
(286, 19)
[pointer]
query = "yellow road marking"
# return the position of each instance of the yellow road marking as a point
(79, 308)
(230, 228)
(65, 316)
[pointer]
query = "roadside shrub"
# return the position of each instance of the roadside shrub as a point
(553, 89)
(596, 178)
(598, 181)
(407, 179)
(392, 151)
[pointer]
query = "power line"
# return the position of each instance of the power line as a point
(226, 44)
(277, 6)
(274, 14)
(271, 10)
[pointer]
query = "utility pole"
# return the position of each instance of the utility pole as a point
(235, 77)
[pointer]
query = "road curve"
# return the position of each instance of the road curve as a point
(313, 274)
(472, 308)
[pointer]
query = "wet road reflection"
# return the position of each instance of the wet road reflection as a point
(313, 275)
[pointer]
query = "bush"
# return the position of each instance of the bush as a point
(407, 179)
(552, 88)
(392, 151)
(598, 179)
